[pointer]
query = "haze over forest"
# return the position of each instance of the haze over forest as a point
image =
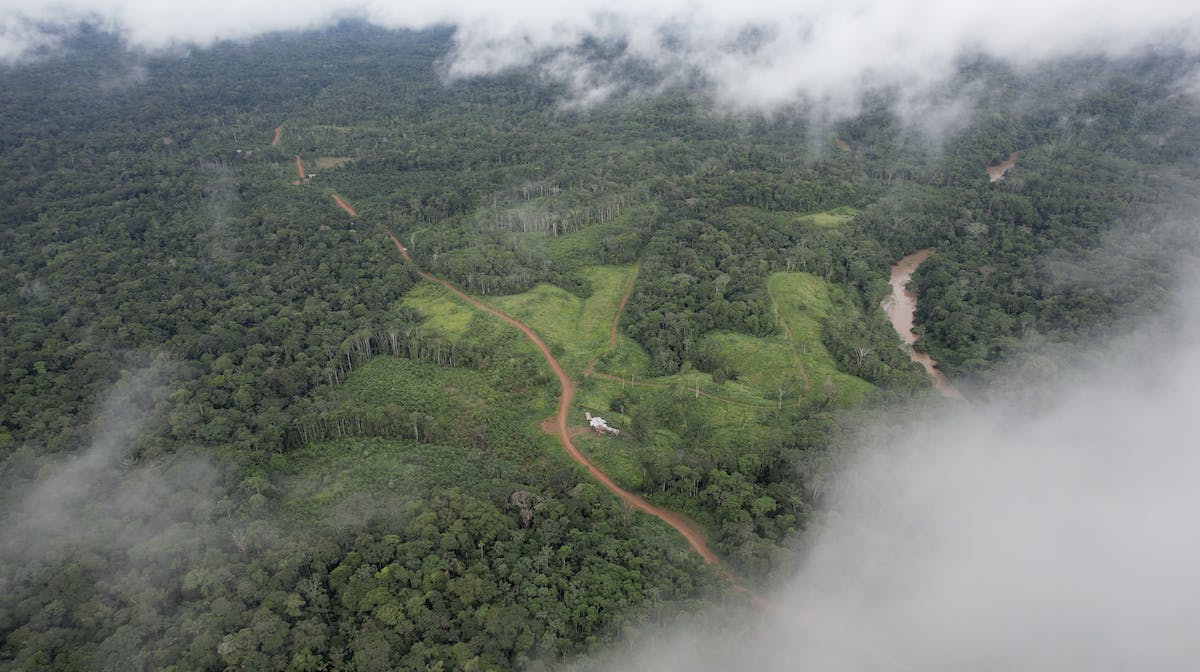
(263, 405)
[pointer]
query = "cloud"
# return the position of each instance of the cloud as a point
(1055, 530)
(49, 515)
(753, 54)
(124, 533)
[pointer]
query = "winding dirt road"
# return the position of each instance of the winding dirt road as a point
(299, 167)
(275, 140)
(690, 532)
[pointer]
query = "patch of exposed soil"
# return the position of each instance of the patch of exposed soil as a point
(996, 172)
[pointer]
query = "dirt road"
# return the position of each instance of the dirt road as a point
(341, 203)
(690, 532)
(275, 140)
(299, 167)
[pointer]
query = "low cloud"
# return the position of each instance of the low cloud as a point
(755, 54)
(59, 510)
(1054, 530)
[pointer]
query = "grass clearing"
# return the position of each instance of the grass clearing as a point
(761, 363)
(831, 218)
(802, 303)
(827, 219)
(619, 457)
(330, 162)
(416, 386)
(444, 313)
(577, 330)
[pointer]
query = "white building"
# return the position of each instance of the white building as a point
(599, 426)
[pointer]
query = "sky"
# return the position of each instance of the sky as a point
(755, 54)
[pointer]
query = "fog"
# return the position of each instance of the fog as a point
(1058, 529)
(754, 54)
(102, 497)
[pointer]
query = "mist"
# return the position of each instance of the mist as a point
(1055, 529)
(103, 498)
(761, 55)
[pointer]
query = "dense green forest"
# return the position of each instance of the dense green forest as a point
(238, 431)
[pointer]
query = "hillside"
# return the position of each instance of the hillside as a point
(246, 422)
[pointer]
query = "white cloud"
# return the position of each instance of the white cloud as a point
(1027, 535)
(819, 51)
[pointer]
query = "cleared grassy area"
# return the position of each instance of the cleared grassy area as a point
(825, 219)
(760, 363)
(577, 330)
(330, 162)
(831, 218)
(418, 386)
(444, 313)
(802, 303)
(771, 372)
(619, 457)
(569, 250)
(626, 360)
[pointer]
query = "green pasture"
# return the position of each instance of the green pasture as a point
(802, 303)
(577, 330)
(825, 219)
(444, 313)
(830, 218)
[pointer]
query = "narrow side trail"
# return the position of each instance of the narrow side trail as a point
(590, 369)
(787, 331)
(612, 330)
(275, 140)
(690, 532)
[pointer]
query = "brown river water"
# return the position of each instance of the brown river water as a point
(900, 307)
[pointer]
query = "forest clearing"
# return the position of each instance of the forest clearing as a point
(687, 529)
(997, 172)
(275, 434)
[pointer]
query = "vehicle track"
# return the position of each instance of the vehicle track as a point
(684, 527)
(341, 203)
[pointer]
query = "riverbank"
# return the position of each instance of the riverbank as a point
(901, 306)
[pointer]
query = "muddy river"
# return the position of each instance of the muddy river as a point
(900, 307)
